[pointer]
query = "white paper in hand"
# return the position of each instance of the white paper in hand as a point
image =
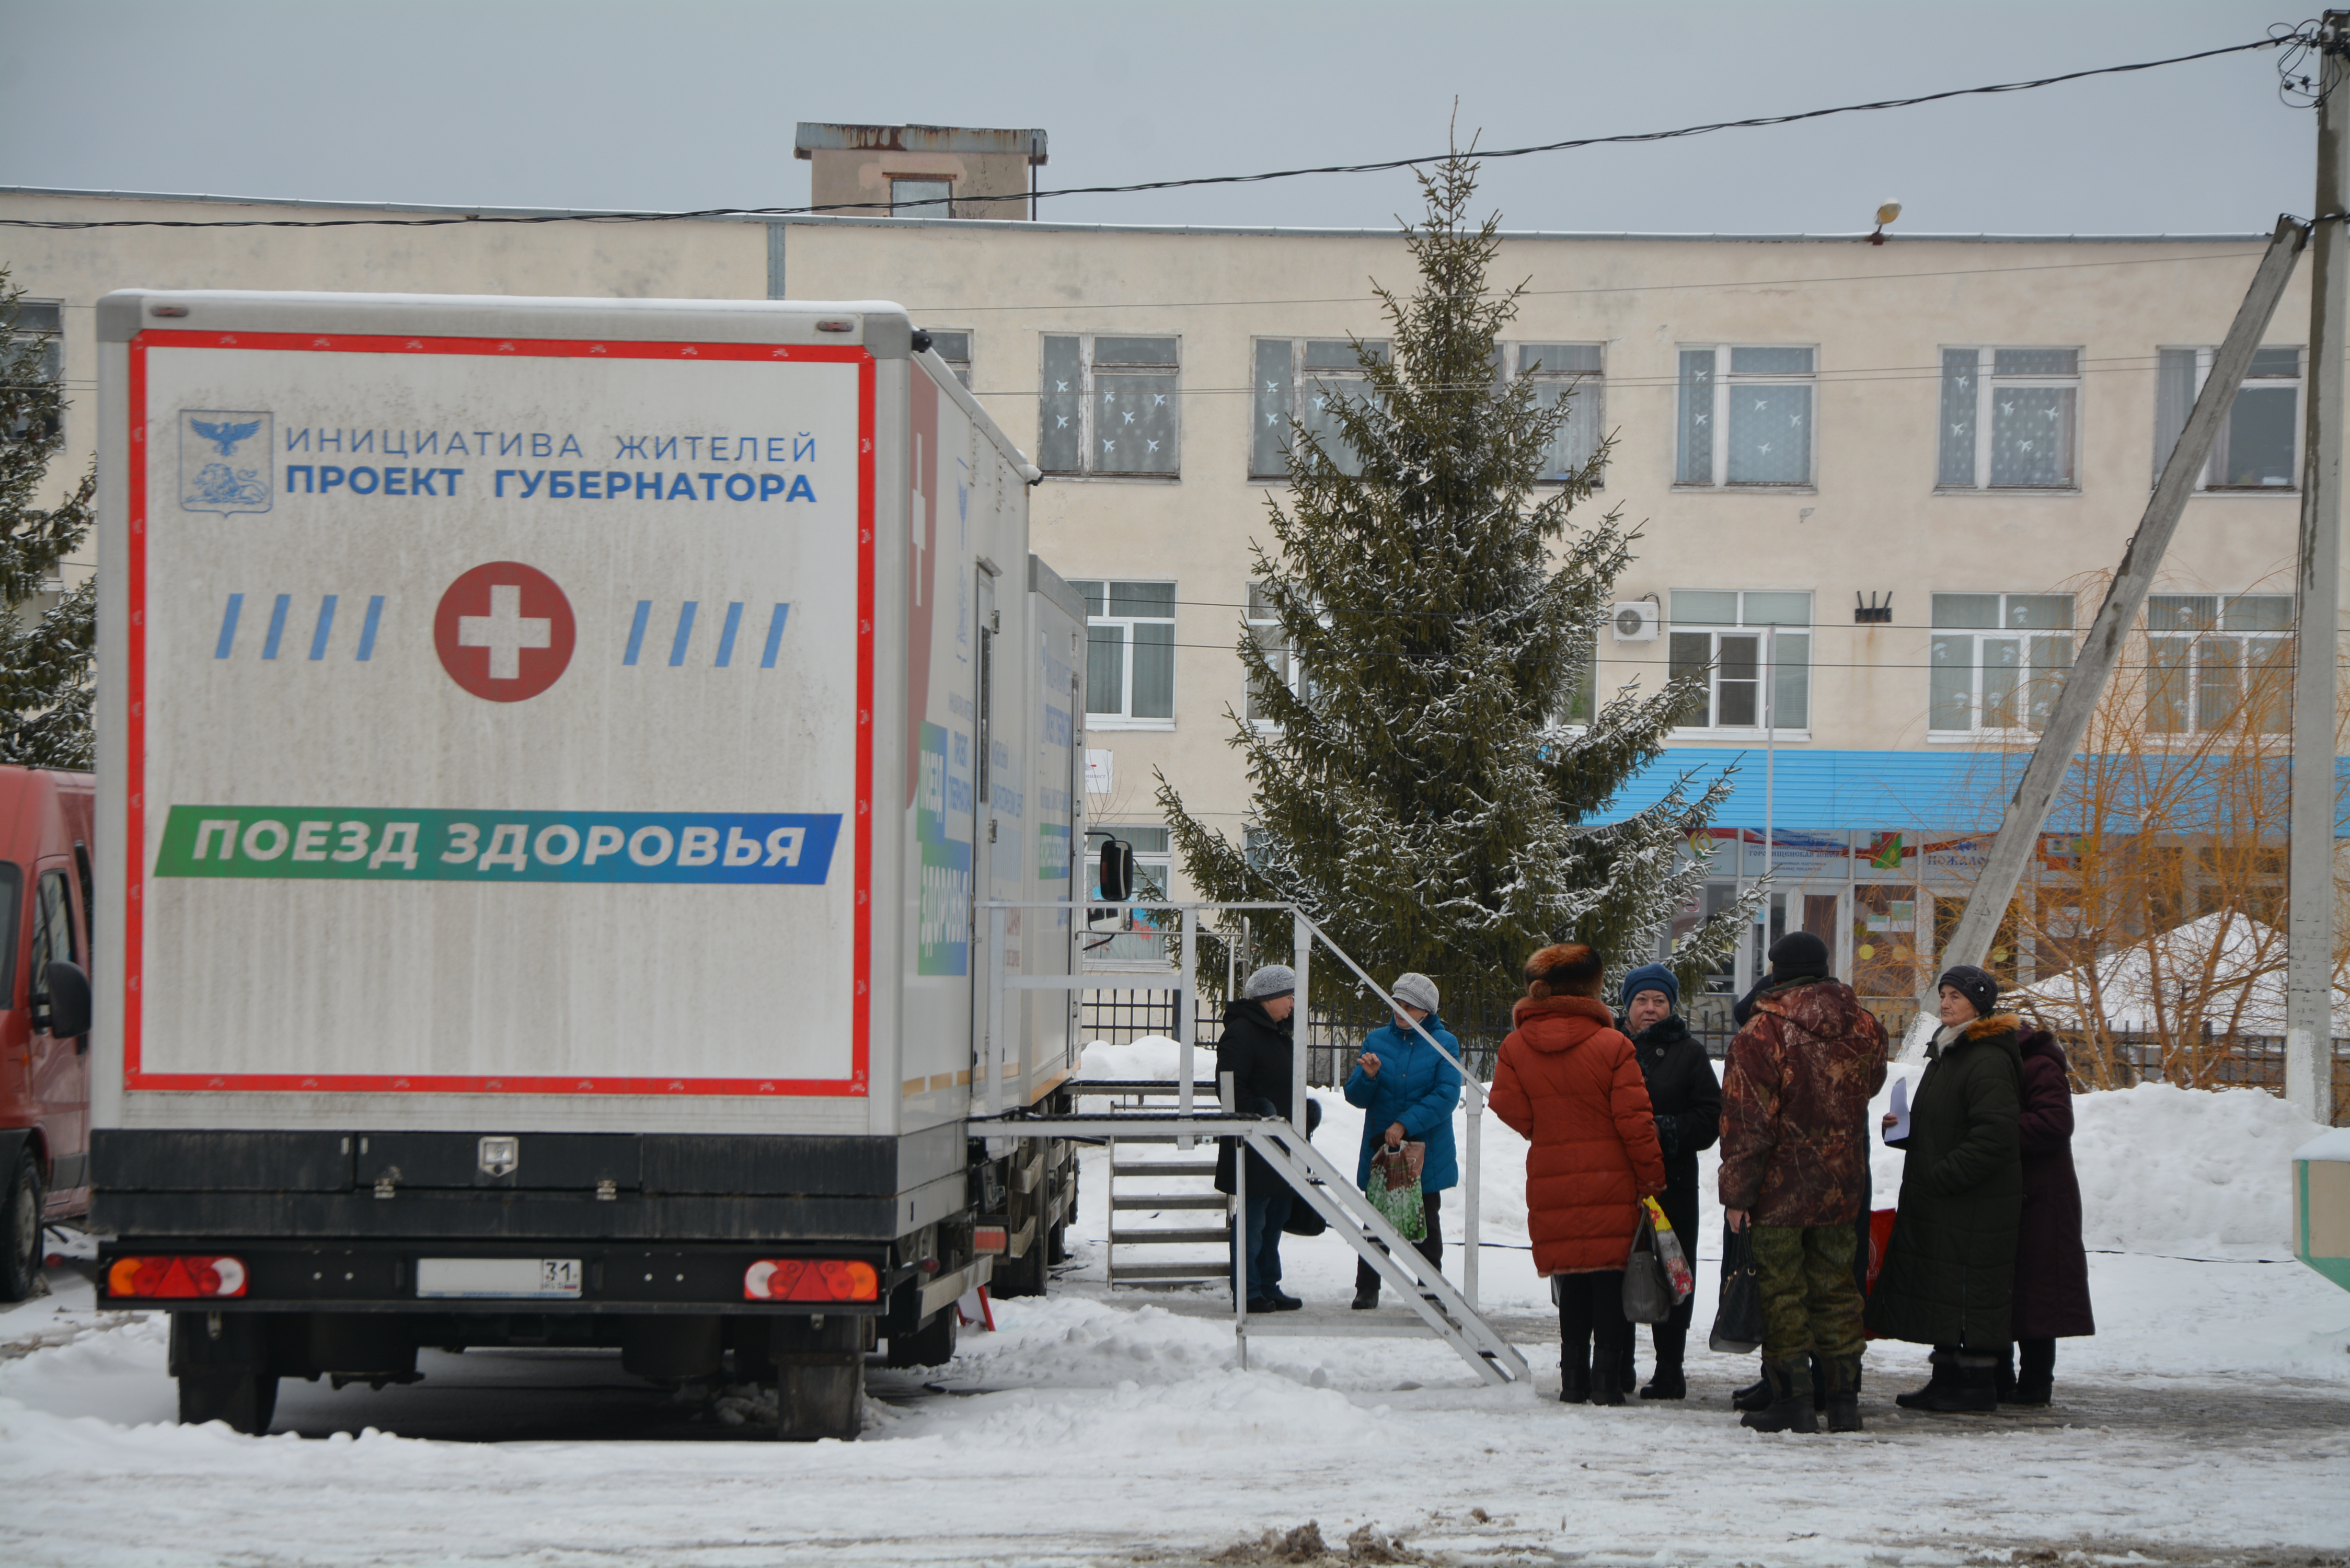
(1901, 1108)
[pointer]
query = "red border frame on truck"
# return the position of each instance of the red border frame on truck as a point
(135, 762)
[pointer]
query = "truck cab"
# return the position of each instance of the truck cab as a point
(45, 835)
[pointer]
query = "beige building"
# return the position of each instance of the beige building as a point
(1870, 480)
(920, 171)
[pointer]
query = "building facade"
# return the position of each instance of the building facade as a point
(1874, 485)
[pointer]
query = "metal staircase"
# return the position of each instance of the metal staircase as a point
(1149, 1178)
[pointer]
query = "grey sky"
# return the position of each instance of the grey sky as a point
(685, 105)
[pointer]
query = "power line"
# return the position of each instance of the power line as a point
(2279, 40)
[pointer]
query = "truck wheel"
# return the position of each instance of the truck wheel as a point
(20, 1222)
(1058, 1252)
(820, 1379)
(247, 1403)
(1022, 1276)
(934, 1346)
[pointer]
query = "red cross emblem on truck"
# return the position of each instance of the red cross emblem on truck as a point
(504, 631)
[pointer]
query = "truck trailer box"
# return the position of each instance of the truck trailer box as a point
(549, 751)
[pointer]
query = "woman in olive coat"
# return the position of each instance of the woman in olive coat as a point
(1949, 1272)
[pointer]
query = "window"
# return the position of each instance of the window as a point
(1154, 859)
(1745, 416)
(954, 347)
(12, 900)
(1268, 635)
(1997, 661)
(1565, 370)
(1731, 633)
(2258, 446)
(1129, 655)
(921, 198)
(52, 934)
(1301, 378)
(2218, 663)
(1134, 936)
(1109, 406)
(2028, 400)
(36, 350)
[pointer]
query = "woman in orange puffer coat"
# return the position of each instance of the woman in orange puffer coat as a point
(1569, 1083)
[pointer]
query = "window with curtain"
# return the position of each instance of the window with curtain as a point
(1996, 661)
(1756, 650)
(1303, 379)
(1745, 416)
(1129, 654)
(2010, 418)
(1569, 373)
(1110, 406)
(2259, 443)
(2219, 661)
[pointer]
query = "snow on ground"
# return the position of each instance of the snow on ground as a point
(2210, 1416)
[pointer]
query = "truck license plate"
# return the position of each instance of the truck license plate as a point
(544, 1279)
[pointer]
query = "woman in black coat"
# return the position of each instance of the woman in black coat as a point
(1257, 1051)
(1949, 1272)
(2051, 1271)
(1686, 1098)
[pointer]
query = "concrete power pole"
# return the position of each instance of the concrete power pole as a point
(2309, 973)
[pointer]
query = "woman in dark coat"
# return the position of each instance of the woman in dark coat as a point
(1949, 1272)
(1256, 1050)
(2052, 1272)
(1686, 1098)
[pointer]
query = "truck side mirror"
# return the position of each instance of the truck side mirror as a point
(1116, 870)
(66, 989)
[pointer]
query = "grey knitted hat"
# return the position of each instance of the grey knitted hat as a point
(1273, 980)
(1415, 989)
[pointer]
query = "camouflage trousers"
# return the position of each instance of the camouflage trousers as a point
(1811, 1303)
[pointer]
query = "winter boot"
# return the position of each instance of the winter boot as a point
(1791, 1400)
(1819, 1383)
(1667, 1384)
(1366, 1298)
(1755, 1396)
(1574, 1386)
(1843, 1393)
(1972, 1387)
(1936, 1385)
(1607, 1385)
(2035, 1381)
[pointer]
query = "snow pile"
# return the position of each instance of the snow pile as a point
(2165, 1169)
(1154, 1056)
(2231, 965)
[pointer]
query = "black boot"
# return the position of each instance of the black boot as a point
(1755, 1396)
(1667, 1384)
(1935, 1386)
(1843, 1393)
(1972, 1388)
(1607, 1385)
(1791, 1400)
(1574, 1386)
(1819, 1382)
(2035, 1380)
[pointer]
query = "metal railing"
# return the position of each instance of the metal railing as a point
(1184, 985)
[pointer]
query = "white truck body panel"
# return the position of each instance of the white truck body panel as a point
(519, 715)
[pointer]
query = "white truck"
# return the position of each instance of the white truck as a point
(550, 751)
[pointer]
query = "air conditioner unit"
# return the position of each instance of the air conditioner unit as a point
(1635, 621)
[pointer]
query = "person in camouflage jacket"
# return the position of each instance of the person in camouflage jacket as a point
(1795, 1157)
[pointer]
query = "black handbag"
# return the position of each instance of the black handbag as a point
(1738, 1322)
(1647, 1292)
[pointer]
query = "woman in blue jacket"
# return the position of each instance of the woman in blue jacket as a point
(1407, 1091)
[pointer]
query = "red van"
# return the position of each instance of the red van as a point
(46, 833)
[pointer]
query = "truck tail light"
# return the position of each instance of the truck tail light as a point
(811, 1280)
(990, 1238)
(163, 1278)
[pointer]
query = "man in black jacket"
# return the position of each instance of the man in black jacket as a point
(1257, 1051)
(1686, 1098)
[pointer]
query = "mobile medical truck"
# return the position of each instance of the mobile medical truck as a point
(550, 752)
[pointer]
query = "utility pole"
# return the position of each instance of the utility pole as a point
(2309, 962)
(2068, 717)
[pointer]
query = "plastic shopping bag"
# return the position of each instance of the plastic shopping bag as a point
(1647, 1292)
(1677, 1271)
(1394, 1189)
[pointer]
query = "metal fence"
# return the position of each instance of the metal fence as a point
(1120, 1016)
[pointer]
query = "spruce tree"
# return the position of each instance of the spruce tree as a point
(45, 685)
(1426, 790)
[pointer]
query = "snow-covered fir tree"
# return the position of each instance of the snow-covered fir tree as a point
(1426, 783)
(45, 657)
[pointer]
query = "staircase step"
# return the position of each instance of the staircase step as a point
(1128, 1273)
(1196, 1237)
(1165, 1167)
(1171, 1200)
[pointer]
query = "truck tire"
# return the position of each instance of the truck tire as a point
(247, 1403)
(1025, 1275)
(20, 1225)
(819, 1379)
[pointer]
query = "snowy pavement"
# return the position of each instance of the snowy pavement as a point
(2208, 1421)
